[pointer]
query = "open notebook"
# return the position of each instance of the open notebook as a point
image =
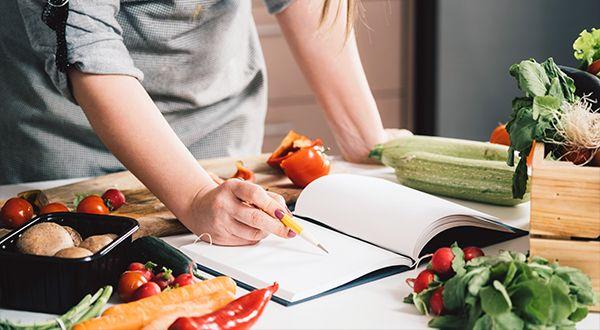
(372, 228)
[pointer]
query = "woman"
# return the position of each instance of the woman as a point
(162, 83)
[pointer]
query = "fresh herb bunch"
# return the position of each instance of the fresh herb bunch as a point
(508, 291)
(546, 88)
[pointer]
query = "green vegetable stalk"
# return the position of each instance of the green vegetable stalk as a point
(533, 116)
(89, 307)
(508, 291)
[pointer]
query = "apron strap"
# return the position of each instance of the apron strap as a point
(55, 15)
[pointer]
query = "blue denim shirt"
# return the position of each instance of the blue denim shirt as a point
(199, 60)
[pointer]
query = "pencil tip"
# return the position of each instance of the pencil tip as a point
(323, 248)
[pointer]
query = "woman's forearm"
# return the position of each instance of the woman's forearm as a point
(131, 126)
(333, 68)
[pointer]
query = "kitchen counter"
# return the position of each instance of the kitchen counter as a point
(374, 305)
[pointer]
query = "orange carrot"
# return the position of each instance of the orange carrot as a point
(153, 304)
(198, 306)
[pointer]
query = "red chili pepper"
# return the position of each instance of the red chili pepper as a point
(240, 314)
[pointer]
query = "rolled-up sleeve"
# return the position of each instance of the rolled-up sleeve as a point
(93, 38)
(277, 6)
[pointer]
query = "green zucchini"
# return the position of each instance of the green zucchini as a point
(461, 169)
(441, 146)
(154, 249)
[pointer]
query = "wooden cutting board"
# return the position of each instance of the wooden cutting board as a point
(153, 216)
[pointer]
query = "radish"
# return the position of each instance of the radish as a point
(441, 262)
(113, 198)
(472, 252)
(436, 301)
(423, 279)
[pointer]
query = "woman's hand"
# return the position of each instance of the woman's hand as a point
(236, 212)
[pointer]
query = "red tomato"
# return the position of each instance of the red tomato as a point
(164, 278)
(146, 290)
(113, 198)
(15, 212)
(306, 165)
(140, 267)
(594, 68)
(54, 208)
(92, 204)
(500, 135)
(423, 279)
(441, 262)
(578, 156)
(472, 252)
(436, 301)
(184, 279)
(129, 283)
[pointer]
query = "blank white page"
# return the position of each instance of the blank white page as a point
(302, 270)
(376, 210)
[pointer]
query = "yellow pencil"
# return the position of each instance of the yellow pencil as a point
(294, 226)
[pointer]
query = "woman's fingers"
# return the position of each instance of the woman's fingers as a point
(248, 233)
(280, 200)
(253, 194)
(259, 220)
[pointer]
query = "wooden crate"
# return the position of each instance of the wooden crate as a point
(565, 215)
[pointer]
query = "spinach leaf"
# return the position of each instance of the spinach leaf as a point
(447, 322)
(454, 293)
(493, 302)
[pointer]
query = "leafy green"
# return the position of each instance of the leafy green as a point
(587, 47)
(510, 291)
(533, 118)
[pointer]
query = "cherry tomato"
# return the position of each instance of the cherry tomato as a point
(15, 212)
(113, 198)
(243, 172)
(92, 204)
(54, 208)
(441, 262)
(436, 301)
(144, 269)
(129, 282)
(594, 68)
(164, 278)
(500, 135)
(472, 252)
(146, 290)
(306, 165)
(423, 279)
(184, 279)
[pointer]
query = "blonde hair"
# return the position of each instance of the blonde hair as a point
(352, 7)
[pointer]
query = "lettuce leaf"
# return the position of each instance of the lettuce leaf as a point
(587, 47)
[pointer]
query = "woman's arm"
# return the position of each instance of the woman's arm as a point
(131, 126)
(332, 66)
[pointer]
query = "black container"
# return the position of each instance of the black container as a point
(53, 285)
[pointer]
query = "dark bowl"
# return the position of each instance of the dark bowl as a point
(53, 285)
(585, 82)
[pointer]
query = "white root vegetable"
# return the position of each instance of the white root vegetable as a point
(578, 128)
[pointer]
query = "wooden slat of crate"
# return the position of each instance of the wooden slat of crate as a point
(584, 255)
(565, 199)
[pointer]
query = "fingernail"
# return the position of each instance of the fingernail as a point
(291, 234)
(279, 214)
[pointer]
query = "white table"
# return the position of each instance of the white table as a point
(376, 305)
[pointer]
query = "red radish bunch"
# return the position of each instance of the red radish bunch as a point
(440, 267)
(140, 281)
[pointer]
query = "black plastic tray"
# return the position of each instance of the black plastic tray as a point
(53, 285)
